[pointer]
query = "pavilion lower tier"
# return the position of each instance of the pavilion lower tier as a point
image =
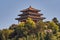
(24, 19)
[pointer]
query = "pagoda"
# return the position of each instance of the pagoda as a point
(30, 13)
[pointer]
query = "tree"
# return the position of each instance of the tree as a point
(40, 28)
(30, 27)
(55, 20)
(54, 27)
(59, 27)
(20, 29)
(52, 37)
(13, 26)
(1, 36)
(6, 33)
(30, 23)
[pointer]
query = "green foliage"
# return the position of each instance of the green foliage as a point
(13, 26)
(55, 20)
(41, 26)
(30, 30)
(54, 27)
(53, 37)
(30, 23)
(4, 34)
(21, 25)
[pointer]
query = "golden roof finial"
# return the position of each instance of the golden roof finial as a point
(30, 7)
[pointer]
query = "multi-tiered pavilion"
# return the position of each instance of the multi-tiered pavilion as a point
(30, 13)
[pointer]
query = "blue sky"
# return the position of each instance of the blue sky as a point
(9, 9)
